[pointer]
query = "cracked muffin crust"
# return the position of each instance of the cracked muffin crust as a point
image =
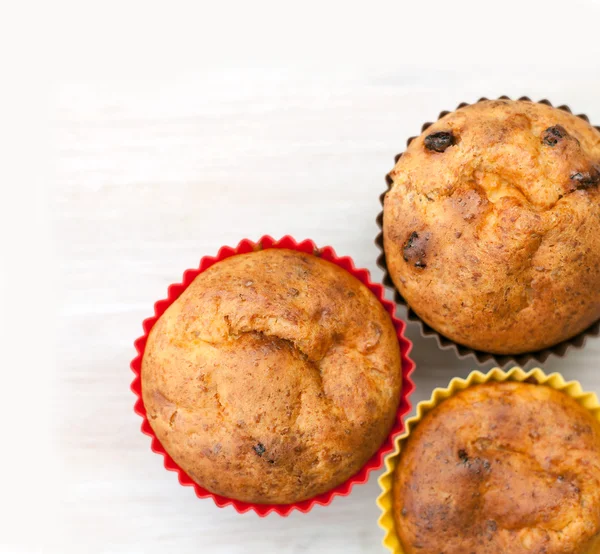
(492, 226)
(274, 377)
(497, 468)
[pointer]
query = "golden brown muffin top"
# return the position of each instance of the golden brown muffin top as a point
(273, 378)
(501, 468)
(492, 226)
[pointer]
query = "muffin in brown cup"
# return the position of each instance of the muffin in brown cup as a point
(498, 468)
(274, 377)
(491, 226)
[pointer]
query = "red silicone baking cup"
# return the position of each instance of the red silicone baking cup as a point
(327, 253)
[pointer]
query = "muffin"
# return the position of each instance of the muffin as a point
(274, 377)
(491, 226)
(501, 467)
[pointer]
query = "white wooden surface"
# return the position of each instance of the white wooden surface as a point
(153, 174)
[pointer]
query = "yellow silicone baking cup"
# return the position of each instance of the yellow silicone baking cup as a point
(588, 400)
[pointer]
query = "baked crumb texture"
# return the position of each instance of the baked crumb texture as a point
(492, 226)
(273, 378)
(501, 468)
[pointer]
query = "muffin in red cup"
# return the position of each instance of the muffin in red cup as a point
(273, 377)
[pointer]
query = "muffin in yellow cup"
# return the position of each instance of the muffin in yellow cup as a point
(502, 462)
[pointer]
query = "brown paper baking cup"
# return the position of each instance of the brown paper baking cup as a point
(444, 343)
(588, 400)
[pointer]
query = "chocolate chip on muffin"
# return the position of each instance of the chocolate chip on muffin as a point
(553, 135)
(287, 362)
(415, 249)
(586, 179)
(520, 190)
(440, 141)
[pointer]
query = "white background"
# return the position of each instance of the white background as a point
(137, 138)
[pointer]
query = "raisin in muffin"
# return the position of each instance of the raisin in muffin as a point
(492, 226)
(498, 468)
(274, 377)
